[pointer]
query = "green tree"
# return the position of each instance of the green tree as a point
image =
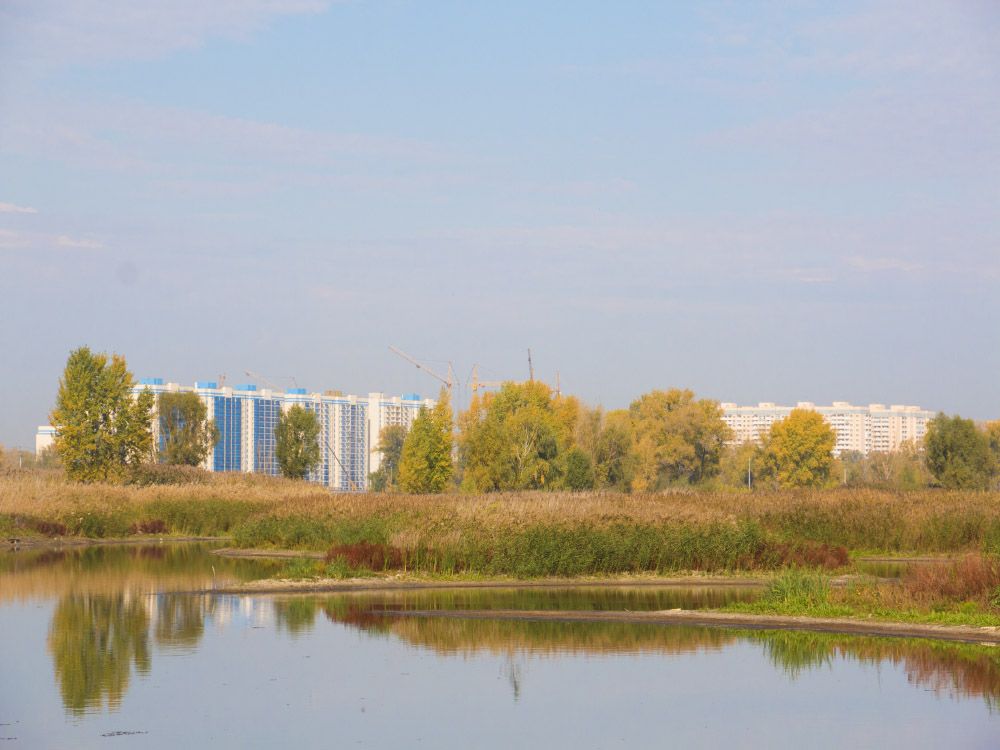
(579, 471)
(101, 429)
(798, 450)
(188, 435)
(296, 438)
(958, 455)
(993, 436)
(613, 455)
(390, 445)
(677, 439)
(425, 464)
(516, 439)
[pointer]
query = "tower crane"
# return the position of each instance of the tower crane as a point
(268, 383)
(449, 381)
(262, 379)
(475, 383)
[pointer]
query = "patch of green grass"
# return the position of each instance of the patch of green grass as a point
(339, 568)
(797, 593)
(300, 569)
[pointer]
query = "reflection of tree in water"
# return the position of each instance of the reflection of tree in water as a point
(180, 619)
(965, 670)
(94, 641)
(954, 668)
(296, 615)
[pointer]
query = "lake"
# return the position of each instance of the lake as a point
(107, 647)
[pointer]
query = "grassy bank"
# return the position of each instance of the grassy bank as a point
(523, 535)
(965, 591)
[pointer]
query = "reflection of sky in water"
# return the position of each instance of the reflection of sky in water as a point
(240, 671)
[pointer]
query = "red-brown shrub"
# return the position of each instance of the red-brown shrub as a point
(971, 577)
(48, 528)
(150, 526)
(810, 555)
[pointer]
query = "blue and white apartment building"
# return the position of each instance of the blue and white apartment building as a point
(247, 416)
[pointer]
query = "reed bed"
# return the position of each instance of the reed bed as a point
(522, 534)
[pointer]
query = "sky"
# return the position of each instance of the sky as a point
(758, 201)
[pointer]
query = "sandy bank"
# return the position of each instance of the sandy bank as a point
(404, 583)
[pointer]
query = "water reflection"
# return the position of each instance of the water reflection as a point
(296, 615)
(961, 670)
(94, 642)
(116, 609)
(138, 569)
(180, 619)
(953, 669)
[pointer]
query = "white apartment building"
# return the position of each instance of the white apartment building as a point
(44, 438)
(246, 418)
(865, 429)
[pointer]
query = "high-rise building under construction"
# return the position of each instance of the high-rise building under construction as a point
(247, 416)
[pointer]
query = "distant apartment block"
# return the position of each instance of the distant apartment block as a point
(866, 429)
(246, 417)
(44, 438)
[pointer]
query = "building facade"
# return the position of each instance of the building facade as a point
(865, 429)
(247, 416)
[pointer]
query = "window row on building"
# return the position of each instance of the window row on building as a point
(246, 419)
(865, 429)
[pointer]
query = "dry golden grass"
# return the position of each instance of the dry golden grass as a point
(50, 494)
(280, 512)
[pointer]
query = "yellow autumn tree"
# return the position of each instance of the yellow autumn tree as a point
(798, 450)
(678, 439)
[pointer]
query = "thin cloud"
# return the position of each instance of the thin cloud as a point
(50, 32)
(85, 244)
(10, 208)
(808, 275)
(875, 265)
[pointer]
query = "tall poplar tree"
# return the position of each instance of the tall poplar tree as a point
(425, 465)
(296, 438)
(188, 433)
(102, 430)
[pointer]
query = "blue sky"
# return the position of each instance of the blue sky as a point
(759, 201)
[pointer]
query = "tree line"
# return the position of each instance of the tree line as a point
(527, 437)
(524, 436)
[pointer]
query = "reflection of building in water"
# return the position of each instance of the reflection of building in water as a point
(242, 610)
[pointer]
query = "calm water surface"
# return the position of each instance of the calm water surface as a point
(102, 648)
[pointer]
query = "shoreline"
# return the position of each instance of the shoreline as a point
(25, 543)
(398, 583)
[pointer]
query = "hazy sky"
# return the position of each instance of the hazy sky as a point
(753, 201)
